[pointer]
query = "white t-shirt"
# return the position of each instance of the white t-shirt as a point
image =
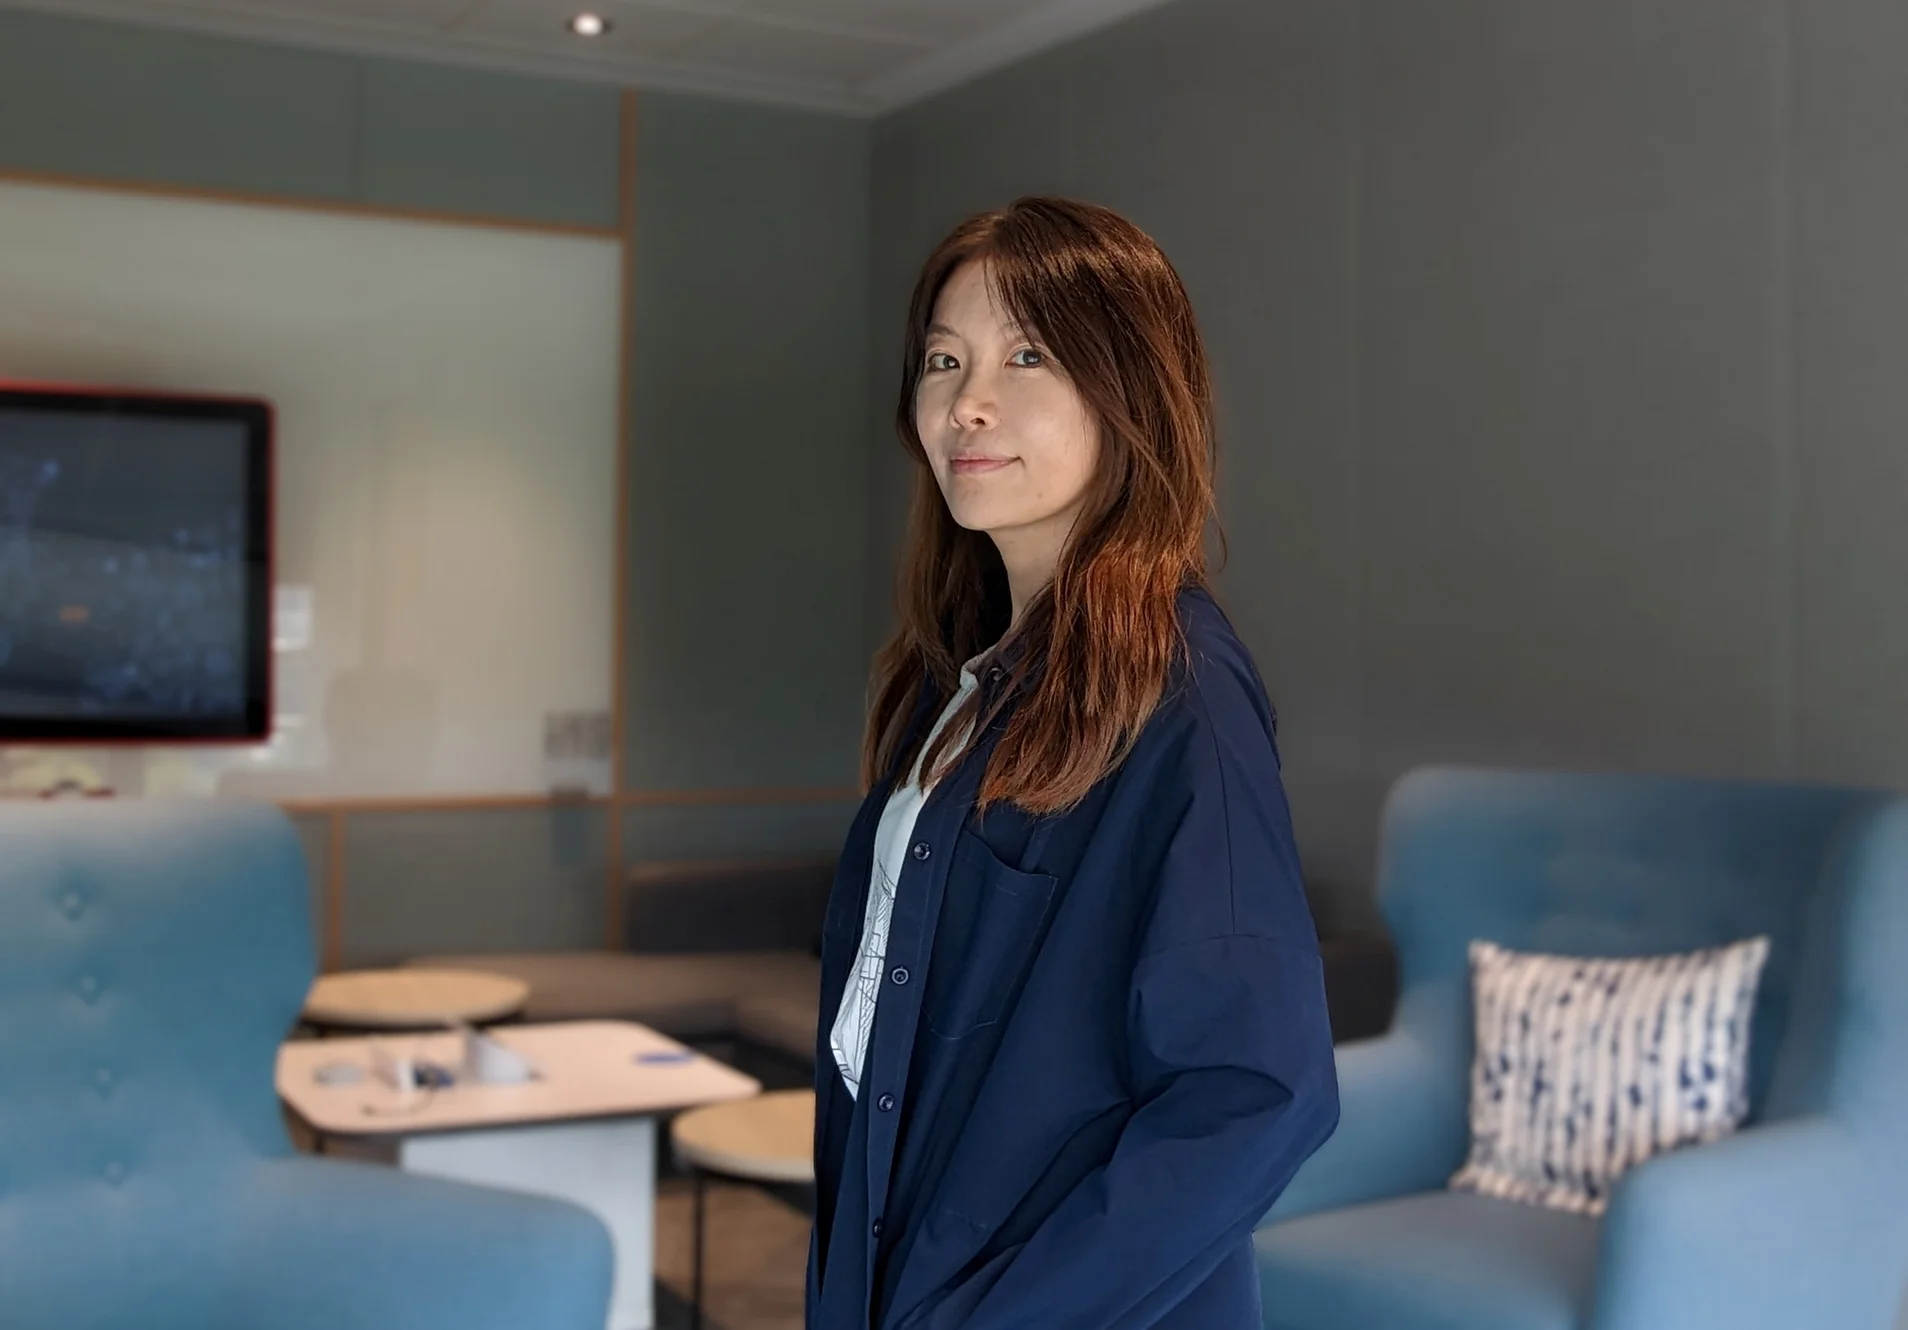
(855, 1018)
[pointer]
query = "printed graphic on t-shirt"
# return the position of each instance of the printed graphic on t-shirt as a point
(861, 994)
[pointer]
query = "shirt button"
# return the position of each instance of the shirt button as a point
(877, 1228)
(73, 906)
(103, 1078)
(900, 975)
(88, 987)
(115, 1173)
(921, 850)
(885, 1103)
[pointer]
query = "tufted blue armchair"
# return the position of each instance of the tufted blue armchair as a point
(1799, 1220)
(152, 956)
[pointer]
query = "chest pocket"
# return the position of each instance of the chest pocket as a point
(992, 919)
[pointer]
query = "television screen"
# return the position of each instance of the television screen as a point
(135, 569)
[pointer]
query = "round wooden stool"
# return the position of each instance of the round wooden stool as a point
(418, 999)
(770, 1138)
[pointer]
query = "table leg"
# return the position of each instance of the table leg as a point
(695, 1307)
(604, 1165)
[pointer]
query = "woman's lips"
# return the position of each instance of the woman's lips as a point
(977, 466)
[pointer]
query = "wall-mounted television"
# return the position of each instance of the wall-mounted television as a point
(135, 566)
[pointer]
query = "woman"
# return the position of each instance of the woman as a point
(1074, 1040)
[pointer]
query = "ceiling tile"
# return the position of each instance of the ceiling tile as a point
(912, 20)
(636, 30)
(422, 16)
(749, 47)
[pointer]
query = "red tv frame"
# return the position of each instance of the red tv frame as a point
(85, 427)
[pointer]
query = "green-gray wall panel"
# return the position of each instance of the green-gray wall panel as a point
(749, 469)
(665, 832)
(314, 830)
(117, 102)
(104, 100)
(1269, 257)
(478, 879)
(466, 141)
(895, 254)
(1851, 151)
(1571, 314)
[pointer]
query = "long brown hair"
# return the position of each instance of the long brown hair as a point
(1093, 652)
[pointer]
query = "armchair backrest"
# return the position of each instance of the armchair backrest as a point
(1614, 865)
(1846, 1049)
(153, 954)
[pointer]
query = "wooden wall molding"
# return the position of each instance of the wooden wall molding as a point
(343, 207)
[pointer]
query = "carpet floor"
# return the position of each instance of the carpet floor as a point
(754, 1262)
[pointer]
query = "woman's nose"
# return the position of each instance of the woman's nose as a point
(974, 407)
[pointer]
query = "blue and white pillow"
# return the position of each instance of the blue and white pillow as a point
(1585, 1067)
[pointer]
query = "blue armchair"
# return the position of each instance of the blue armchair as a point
(152, 956)
(1798, 1220)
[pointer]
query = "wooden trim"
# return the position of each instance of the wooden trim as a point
(652, 870)
(801, 794)
(332, 955)
(619, 644)
(440, 803)
(341, 207)
(454, 803)
(619, 577)
(613, 876)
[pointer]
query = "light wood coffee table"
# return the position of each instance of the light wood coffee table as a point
(417, 999)
(770, 1138)
(584, 1130)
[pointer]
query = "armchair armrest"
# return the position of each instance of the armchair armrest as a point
(1402, 1128)
(325, 1243)
(1776, 1226)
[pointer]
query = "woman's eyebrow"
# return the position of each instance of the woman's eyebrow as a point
(1011, 330)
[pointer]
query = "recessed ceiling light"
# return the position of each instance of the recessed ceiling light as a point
(587, 24)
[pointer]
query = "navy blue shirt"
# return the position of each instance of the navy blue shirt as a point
(1100, 1051)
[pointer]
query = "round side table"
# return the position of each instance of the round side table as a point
(412, 999)
(770, 1138)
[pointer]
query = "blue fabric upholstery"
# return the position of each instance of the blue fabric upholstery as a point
(1449, 1260)
(152, 956)
(1799, 1219)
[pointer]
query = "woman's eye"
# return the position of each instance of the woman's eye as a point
(1028, 358)
(940, 360)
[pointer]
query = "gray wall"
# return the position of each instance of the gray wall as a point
(123, 103)
(1557, 345)
(748, 374)
(749, 493)
(746, 653)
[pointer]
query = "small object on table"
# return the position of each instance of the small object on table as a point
(392, 1070)
(417, 999)
(770, 1138)
(491, 1063)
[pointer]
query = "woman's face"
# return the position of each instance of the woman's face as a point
(1012, 445)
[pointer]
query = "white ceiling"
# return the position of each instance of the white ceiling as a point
(861, 56)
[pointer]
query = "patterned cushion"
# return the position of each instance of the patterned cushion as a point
(1585, 1067)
